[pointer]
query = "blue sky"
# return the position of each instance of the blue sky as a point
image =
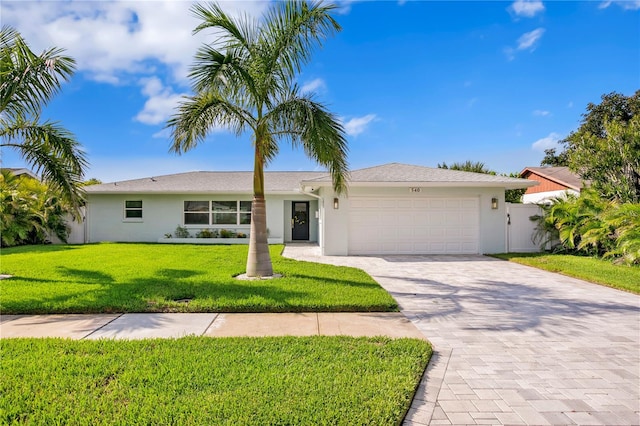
(418, 82)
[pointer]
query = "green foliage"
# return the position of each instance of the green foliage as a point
(605, 149)
(317, 380)
(27, 83)
(552, 159)
(611, 163)
(30, 211)
(92, 181)
(510, 195)
(591, 225)
(225, 233)
(468, 166)
(95, 278)
(590, 269)
(207, 233)
(181, 232)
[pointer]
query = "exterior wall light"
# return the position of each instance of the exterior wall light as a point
(336, 203)
(494, 203)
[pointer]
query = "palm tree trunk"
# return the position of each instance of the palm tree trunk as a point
(258, 260)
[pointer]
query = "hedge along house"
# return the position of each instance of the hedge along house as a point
(389, 209)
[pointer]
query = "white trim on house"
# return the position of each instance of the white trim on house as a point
(548, 196)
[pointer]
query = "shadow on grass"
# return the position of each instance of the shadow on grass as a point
(43, 248)
(176, 291)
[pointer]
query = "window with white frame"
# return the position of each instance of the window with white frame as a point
(217, 212)
(133, 209)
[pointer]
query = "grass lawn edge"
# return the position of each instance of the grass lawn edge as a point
(529, 259)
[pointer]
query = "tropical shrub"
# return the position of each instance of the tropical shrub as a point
(181, 232)
(207, 233)
(590, 225)
(30, 211)
(225, 233)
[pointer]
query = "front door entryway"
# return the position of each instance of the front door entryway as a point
(300, 220)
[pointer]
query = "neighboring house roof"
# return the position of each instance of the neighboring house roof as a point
(20, 172)
(397, 174)
(560, 176)
(205, 183)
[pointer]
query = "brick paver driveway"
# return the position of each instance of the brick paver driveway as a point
(513, 344)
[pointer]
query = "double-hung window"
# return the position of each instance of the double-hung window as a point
(133, 209)
(217, 212)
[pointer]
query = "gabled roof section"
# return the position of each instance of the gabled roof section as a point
(560, 175)
(206, 183)
(21, 172)
(397, 174)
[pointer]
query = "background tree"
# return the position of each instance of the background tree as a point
(605, 149)
(92, 181)
(467, 166)
(27, 83)
(552, 159)
(244, 81)
(510, 195)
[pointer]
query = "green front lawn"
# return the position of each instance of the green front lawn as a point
(210, 381)
(587, 268)
(98, 278)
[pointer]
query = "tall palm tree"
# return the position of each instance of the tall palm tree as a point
(245, 82)
(27, 82)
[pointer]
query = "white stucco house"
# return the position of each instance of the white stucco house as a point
(389, 209)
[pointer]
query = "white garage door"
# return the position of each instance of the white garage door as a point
(413, 226)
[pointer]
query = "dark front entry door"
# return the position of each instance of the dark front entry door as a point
(300, 220)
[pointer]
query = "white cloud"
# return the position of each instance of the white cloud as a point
(570, 104)
(110, 39)
(316, 85)
(161, 103)
(624, 4)
(548, 142)
(357, 125)
(528, 41)
(471, 102)
(526, 8)
(541, 113)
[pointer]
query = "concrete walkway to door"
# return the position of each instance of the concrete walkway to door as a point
(512, 344)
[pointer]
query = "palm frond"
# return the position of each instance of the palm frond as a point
(51, 151)
(29, 81)
(292, 30)
(199, 115)
(309, 124)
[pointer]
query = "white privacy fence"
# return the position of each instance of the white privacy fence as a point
(520, 229)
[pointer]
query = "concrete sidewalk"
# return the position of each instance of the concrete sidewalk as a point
(144, 326)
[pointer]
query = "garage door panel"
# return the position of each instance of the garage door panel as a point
(413, 225)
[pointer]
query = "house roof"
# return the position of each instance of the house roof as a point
(560, 175)
(397, 174)
(393, 174)
(20, 172)
(206, 183)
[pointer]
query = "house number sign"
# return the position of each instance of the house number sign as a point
(415, 189)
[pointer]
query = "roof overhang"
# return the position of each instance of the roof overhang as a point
(309, 186)
(185, 192)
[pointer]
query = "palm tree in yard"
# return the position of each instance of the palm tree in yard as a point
(27, 82)
(245, 82)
